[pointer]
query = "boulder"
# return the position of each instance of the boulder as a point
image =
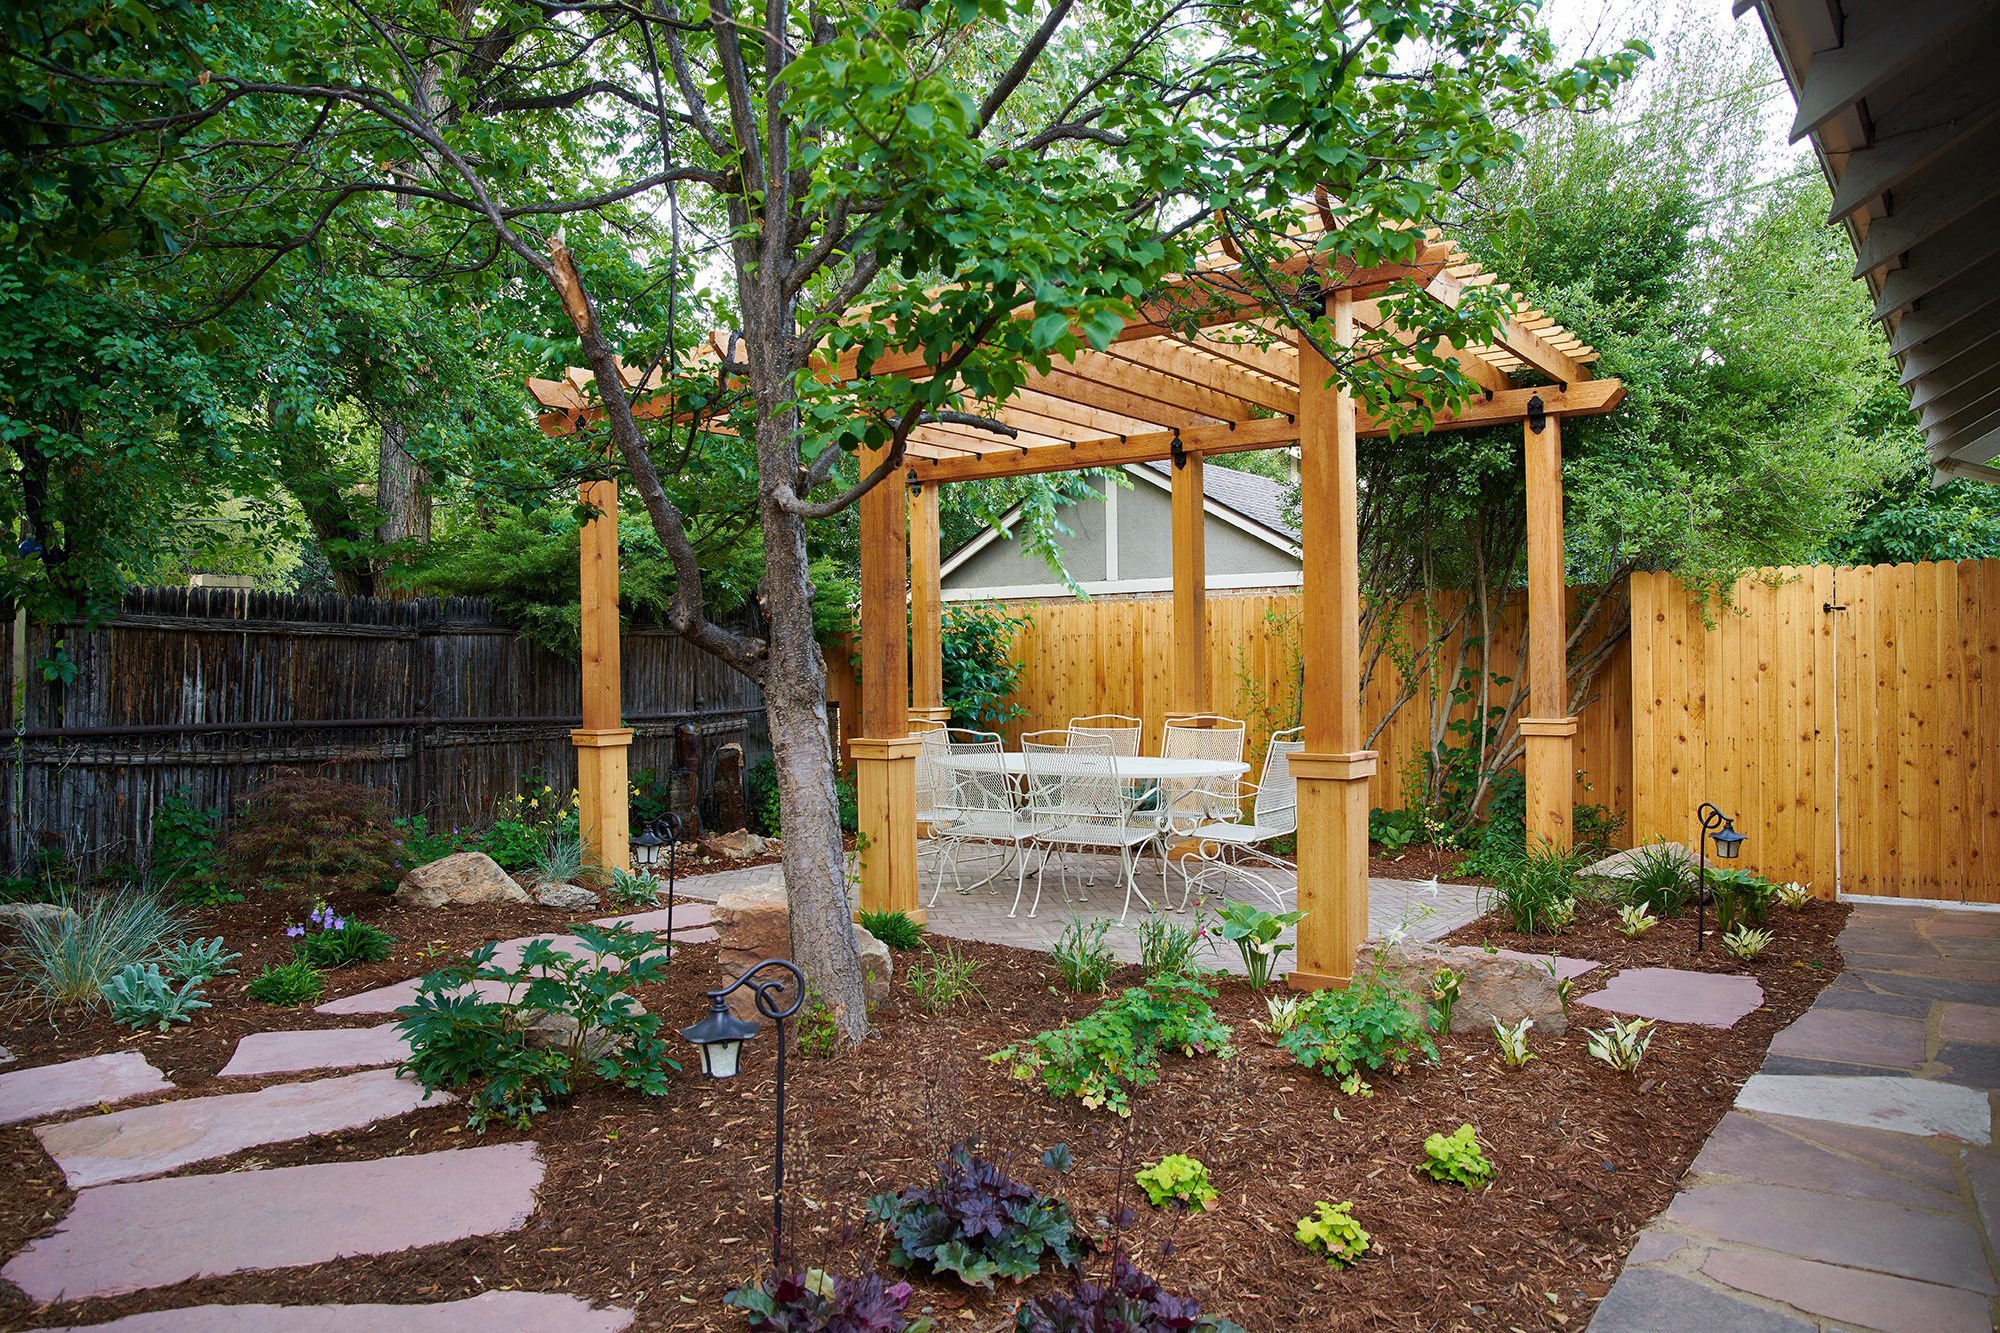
(17, 915)
(742, 845)
(1490, 986)
(547, 1031)
(565, 897)
(755, 923)
(459, 880)
(1620, 865)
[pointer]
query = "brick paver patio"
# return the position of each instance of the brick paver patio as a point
(1855, 1184)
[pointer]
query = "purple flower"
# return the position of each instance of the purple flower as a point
(337, 924)
(293, 932)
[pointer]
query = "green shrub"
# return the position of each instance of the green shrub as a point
(1536, 891)
(1740, 897)
(310, 833)
(458, 1039)
(1255, 932)
(1083, 960)
(182, 854)
(981, 672)
(66, 959)
(976, 1223)
(940, 980)
(1105, 1056)
(1177, 1178)
(760, 793)
(342, 943)
(1331, 1232)
(140, 997)
(814, 1032)
(1659, 879)
(524, 822)
(1593, 828)
(1455, 1159)
(894, 929)
(1371, 1026)
(197, 960)
(1393, 830)
(287, 985)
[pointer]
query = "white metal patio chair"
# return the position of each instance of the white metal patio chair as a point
(975, 802)
(1078, 801)
(932, 781)
(1123, 731)
(1188, 802)
(1274, 815)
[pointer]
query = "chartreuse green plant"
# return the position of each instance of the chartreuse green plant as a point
(1255, 932)
(140, 997)
(1369, 1027)
(1331, 1232)
(1746, 942)
(1105, 1056)
(1177, 1178)
(1635, 919)
(976, 1223)
(1514, 1052)
(1455, 1159)
(459, 1039)
(1794, 895)
(1621, 1045)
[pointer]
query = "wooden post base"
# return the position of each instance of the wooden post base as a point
(930, 715)
(603, 791)
(885, 780)
(1333, 866)
(1549, 764)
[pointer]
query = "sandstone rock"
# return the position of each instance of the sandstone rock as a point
(755, 923)
(1490, 986)
(566, 897)
(1620, 865)
(19, 914)
(742, 845)
(458, 880)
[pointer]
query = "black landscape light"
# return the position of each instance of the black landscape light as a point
(1721, 829)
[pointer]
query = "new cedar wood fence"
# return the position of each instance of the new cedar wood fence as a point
(437, 704)
(1858, 745)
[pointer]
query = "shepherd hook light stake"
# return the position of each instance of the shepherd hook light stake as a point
(646, 855)
(721, 1036)
(1719, 827)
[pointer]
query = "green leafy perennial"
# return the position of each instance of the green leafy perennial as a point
(1106, 1055)
(1455, 1159)
(1177, 1178)
(1371, 1026)
(1332, 1233)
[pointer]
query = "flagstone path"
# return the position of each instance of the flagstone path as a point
(1855, 1184)
(1674, 995)
(133, 1227)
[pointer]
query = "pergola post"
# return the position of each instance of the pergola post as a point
(1549, 735)
(884, 752)
(1190, 580)
(601, 743)
(1334, 769)
(926, 608)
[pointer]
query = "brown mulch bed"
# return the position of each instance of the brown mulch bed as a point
(1419, 863)
(662, 1204)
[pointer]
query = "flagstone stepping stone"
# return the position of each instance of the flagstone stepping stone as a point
(685, 914)
(1848, 1037)
(388, 999)
(47, 1089)
(153, 1140)
(1849, 1296)
(152, 1233)
(315, 1048)
(1906, 1105)
(1783, 1150)
(1709, 999)
(1646, 1300)
(514, 1311)
(1566, 968)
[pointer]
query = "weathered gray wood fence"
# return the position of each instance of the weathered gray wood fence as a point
(435, 703)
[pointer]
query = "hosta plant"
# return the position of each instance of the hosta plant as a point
(1444, 998)
(1177, 1178)
(1128, 1301)
(1284, 1011)
(1561, 915)
(1795, 895)
(1746, 942)
(815, 1300)
(1255, 932)
(1331, 1232)
(1514, 1052)
(1455, 1158)
(1621, 1045)
(1636, 919)
(977, 1223)
(197, 959)
(141, 997)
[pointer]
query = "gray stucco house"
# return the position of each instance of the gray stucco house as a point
(1125, 544)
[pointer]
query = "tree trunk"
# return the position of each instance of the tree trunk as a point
(402, 499)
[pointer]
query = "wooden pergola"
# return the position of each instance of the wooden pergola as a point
(1180, 389)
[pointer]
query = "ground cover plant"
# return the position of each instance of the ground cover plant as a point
(1104, 1057)
(1176, 1179)
(977, 1223)
(1622, 1044)
(1331, 1232)
(140, 996)
(197, 959)
(1513, 1042)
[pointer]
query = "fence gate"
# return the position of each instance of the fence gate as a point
(1848, 718)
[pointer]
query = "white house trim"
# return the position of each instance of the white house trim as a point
(1223, 512)
(1111, 489)
(1097, 588)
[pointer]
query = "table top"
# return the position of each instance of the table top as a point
(1138, 767)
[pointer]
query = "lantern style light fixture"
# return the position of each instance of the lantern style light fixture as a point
(662, 832)
(778, 988)
(1720, 829)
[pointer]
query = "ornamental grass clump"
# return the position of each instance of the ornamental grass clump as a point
(943, 979)
(976, 1223)
(1535, 890)
(894, 929)
(1455, 1159)
(1659, 878)
(1331, 1232)
(1129, 1300)
(1104, 1057)
(1083, 960)
(1167, 948)
(67, 957)
(287, 985)
(1177, 1179)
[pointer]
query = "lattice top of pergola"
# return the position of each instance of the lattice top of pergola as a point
(1225, 380)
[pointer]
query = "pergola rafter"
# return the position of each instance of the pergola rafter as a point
(1207, 366)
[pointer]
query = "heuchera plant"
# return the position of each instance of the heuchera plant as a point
(1177, 1178)
(977, 1223)
(1455, 1158)
(1332, 1233)
(819, 1302)
(1130, 1300)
